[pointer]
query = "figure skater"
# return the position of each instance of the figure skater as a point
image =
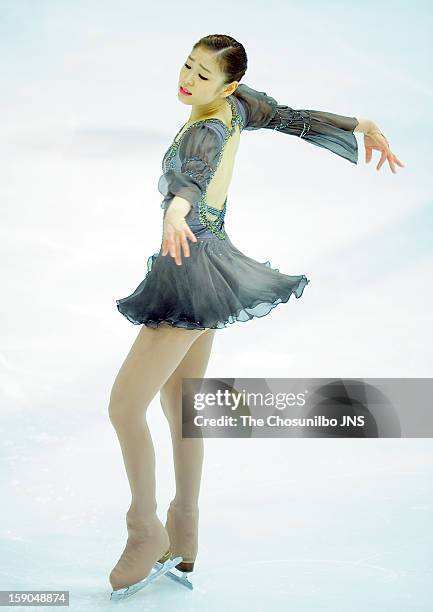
(182, 301)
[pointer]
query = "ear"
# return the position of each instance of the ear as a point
(233, 86)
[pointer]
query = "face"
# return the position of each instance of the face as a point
(201, 76)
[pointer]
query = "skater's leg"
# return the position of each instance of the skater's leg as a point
(153, 357)
(183, 513)
(151, 360)
(187, 452)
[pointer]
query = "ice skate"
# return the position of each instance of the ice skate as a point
(182, 578)
(162, 570)
(146, 542)
(182, 528)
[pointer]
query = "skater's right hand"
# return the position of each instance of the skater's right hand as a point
(176, 230)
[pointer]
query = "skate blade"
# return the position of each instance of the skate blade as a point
(121, 594)
(183, 579)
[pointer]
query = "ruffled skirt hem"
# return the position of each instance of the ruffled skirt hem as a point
(208, 291)
(245, 314)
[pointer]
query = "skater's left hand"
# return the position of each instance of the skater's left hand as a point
(176, 231)
(377, 141)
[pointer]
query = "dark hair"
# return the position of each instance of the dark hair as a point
(230, 55)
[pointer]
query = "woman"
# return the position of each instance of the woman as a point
(182, 301)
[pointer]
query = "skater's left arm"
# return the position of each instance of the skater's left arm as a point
(183, 188)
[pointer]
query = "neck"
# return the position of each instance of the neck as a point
(202, 111)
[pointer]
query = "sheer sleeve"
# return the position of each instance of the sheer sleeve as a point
(323, 129)
(197, 159)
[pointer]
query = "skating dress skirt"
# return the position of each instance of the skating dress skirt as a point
(218, 284)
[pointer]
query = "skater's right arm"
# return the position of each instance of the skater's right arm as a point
(321, 128)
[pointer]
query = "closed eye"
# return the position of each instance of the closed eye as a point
(202, 77)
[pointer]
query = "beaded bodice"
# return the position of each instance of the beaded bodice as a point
(200, 167)
(212, 217)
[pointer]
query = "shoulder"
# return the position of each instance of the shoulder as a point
(258, 106)
(250, 95)
(203, 138)
(205, 128)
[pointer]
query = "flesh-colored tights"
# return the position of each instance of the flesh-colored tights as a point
(157, 361)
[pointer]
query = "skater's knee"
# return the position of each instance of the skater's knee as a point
(123, 408)
(170, 401)
(116, 411)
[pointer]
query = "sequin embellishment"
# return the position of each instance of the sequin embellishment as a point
(217, 225)
(290, 116)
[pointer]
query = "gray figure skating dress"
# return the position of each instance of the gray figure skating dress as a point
(218, 284)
